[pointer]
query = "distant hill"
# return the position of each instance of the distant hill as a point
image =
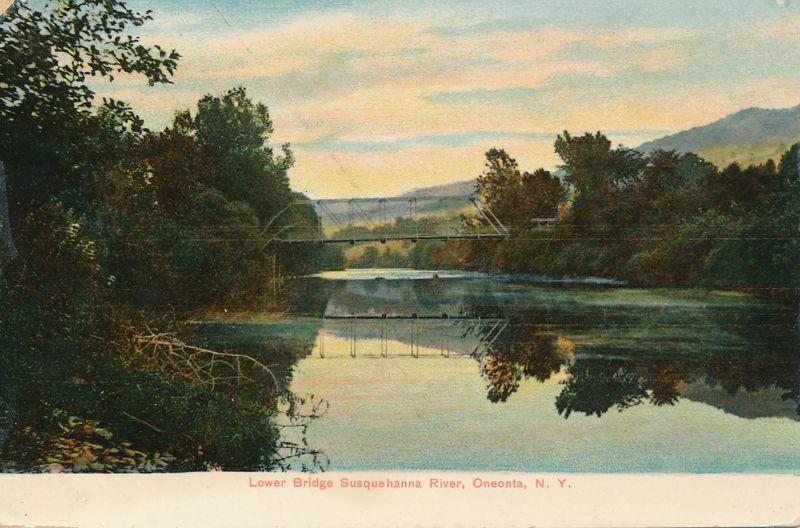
(428, 205)
(460, 188)
(749, 136)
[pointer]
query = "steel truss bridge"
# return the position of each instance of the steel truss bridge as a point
(351, 220)
(447, 334)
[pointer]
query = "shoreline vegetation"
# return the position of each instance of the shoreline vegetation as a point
(661, 219)
(123, 234)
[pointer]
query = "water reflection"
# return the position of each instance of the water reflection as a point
(525, 376)
(293, 451)
(616, 348)
(279, 345)
(604, 377)
(504, 364)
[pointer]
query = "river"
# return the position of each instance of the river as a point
(442, 370)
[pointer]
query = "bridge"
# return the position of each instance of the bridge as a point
(351, 220)
(438, 336)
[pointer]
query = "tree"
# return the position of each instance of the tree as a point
(500, 183)
(596, 172)
(57, 143)
(121, 230)
(663, 218)
(178, 167)
(234, 133)
(224, 146)
(51, 134)
(542, 194)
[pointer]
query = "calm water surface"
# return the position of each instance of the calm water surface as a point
(535, 375)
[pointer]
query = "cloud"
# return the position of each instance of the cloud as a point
(453, 140)
(381, 99)
(302, 44)
(343, 47)
(443, 85)
(505, 25)
(441, 140)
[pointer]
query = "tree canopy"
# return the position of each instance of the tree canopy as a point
(662, 218)
(125, 233)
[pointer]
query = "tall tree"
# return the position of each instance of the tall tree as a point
(596, 172)
(500, 183)
(234, 132)
(57, 141)
(542, 193)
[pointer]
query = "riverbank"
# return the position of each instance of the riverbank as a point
(188, 401)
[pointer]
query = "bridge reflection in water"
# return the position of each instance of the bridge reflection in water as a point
(383, 336)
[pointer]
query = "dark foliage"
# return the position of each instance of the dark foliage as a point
(659, 219)
(123, 231)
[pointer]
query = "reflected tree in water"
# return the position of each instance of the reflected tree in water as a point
(520, 352)
(507, 363)
(597, 380)
(664, 382)
(293, 452)
(594, 389)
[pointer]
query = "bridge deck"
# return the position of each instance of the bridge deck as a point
(443, 317)
(413, 238)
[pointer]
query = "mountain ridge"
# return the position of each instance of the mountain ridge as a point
(747, 127)
(459, 188)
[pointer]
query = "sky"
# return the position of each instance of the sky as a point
(379, 97)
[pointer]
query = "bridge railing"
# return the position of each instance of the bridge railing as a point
(397, 218)
(387, 233)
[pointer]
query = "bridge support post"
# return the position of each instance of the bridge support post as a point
(444, 349)
(353, 337)
(414, 336)
(416, 231)
(384, 337)
(350, 214)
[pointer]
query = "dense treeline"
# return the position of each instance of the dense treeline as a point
(665, 219)
(123, 232)
(659, 219)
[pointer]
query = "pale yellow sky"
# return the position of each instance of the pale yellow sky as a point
(378, 97)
